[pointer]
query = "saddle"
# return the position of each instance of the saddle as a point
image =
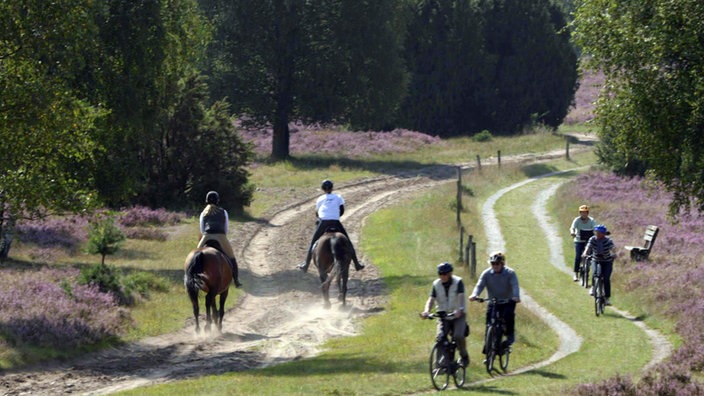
(215, 245)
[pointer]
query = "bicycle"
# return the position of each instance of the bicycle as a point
(442, 358)
(584, 272)
(598, 287)
(495, 331)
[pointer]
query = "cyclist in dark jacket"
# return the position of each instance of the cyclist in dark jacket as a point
(501, 282)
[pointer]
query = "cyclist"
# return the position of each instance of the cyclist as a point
(328, 209)
(582, 229)
(448, 293)
(214, 224)
(603, 249)
(501, 282)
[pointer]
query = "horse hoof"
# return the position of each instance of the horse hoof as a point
(327, 305)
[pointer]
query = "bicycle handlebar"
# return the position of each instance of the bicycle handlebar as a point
(493, 300)
(439, 315)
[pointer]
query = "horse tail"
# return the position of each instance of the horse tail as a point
(193, 280)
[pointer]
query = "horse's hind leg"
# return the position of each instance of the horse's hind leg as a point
(221, 312)
(209, 306)
(194, 301)
(342, 287)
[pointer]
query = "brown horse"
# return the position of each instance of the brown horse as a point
(332, 255)
(208, 269)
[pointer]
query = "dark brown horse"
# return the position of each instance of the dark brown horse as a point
(332, 255)
(208, 269)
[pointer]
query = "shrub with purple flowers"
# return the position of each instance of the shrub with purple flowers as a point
(316, 139)
(141, 216)
(51, 310)
(627, 206)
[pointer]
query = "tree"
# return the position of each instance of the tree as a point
(104, 237)
(47, 129)
(328, 60)
(499, 65)
(651, 110)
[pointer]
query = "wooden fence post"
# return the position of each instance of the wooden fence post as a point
(567, 147)
(473, 261)
(461, 243)
(499, 158)
(479, 163)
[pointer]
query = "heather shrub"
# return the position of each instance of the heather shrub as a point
(322, 140)
(63, 232)
(52, 310)
(104, 277)
(140, 216)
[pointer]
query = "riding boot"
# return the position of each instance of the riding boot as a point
(357, 265)
(304, 266)
(235, 272)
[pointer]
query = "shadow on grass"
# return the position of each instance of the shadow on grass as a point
(487, 389)
(545, 374)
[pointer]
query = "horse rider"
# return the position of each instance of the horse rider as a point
(214, 225)
(328, 209)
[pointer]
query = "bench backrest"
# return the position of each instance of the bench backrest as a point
(650, 234)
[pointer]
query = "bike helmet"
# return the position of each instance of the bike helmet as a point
(212, 197)
(497, 257)
(444, 268)
(584, 208)
(601, 228)
(327, 185)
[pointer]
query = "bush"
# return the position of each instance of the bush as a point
(52, 310)
(483, 136)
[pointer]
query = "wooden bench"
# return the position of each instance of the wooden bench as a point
(640, 253)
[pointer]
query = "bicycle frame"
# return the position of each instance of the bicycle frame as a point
(493, 337)
(598, 285)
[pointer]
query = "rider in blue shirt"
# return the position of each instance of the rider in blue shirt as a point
(603, 249)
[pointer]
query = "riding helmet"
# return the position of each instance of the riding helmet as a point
(327, 185)
(212, 197)
(444, 268)
(497, 257)
(584, 208)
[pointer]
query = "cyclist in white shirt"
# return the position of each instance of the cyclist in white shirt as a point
(329, 208)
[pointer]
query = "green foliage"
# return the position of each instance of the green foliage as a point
(488, 64)
(104, 237)
(324, 61)
(650, 112)
(106, 277)
(142, 283)
(483, 136)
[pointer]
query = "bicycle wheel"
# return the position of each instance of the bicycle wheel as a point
(460, 373)
(490, 349)
(439, 368)
(602, 296)
(584, 272)
(503, 359)
(596, 282)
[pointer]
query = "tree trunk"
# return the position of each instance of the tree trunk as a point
(280, 142)
(7, 230)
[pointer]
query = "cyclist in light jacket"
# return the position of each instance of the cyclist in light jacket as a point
(501, 282)
(448, 294)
